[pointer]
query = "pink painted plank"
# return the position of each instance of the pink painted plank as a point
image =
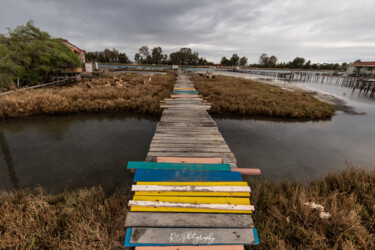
(218, 247)
(189, 160)
(247, 171)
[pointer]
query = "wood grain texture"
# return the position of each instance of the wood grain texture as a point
(185, 175)
(216, 247)
(178, 166)
(193, 188)
(146, 219)
(190, 160)
(189, 236)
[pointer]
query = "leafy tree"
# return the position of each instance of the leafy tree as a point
(234, 60)
(137, 57)
(32, 55)
(145, 54)
(202, 61)
(243, 61)
(298, 62)
(184, 57)
(225, 61)
(272, 62)
(263, 60)
(157, 55)
(123, 58)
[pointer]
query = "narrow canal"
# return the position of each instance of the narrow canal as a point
(74, 151)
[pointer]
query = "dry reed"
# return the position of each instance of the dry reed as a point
(88, 218)
(231, 95)
(139, 95)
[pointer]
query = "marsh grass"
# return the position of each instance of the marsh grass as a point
(285, 222)
(232, 95)
(140, 95)
(88, 218)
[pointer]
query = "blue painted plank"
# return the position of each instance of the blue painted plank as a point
(185, 175)
(129, 244)
(185, 91)
(178, 166)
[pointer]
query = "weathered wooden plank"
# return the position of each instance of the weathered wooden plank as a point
(192, 150)
(204, 220)
(185, 175)
(186, 166)
(194, 183)
(189, 160)
(183, 189)
(195, 194)
(247, 171)
(215, 247)
(186, 154)
(186, 145)
(190, 205)
(190, 236)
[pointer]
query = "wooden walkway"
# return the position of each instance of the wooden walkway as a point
(189, 193)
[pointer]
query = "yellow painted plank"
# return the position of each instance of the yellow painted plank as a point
(206, 200)
(186, 88)
(152, 193)
(185, 210)
(217, 183)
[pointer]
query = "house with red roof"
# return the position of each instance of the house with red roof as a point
(361, 69)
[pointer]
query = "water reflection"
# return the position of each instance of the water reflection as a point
(68, 152)
(9, 161)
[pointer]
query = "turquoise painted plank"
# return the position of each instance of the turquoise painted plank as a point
(250, 241)
(178, 166)
(185, 91)
(185, 175)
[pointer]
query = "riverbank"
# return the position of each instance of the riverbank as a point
(232, 95)
(110, 93)
(88, 218)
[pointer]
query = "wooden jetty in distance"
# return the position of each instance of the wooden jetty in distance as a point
(367, 85)
(189, 193)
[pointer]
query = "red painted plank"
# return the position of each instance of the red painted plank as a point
(247, 171)
(190, 160)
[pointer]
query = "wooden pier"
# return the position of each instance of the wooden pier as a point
(189, 193)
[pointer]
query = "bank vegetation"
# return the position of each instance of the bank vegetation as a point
(121, 92)
(88, 218)
(232, 95)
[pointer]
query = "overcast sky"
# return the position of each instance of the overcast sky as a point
(319, 30)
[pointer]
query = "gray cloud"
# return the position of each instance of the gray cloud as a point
(322, 31)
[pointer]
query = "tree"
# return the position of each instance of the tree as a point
(234, 60)
(272, 62)
(157, 55)
(137, 58)
(32, 55)
(243, 61)
(298, 62)
(123, 58)
(224, 61)
(263, 60)
(144, 53)
(184, 57)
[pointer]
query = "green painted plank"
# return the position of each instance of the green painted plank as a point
(178, 166)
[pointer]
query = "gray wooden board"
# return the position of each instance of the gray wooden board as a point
(192, 150)
(188, 145)
(192, 236)
(148, 219)
(186, 154)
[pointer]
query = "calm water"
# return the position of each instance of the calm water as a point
(305, 150)
(68, 152)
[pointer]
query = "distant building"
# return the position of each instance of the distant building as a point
(80, 53)
(361, 69)
(175, 67)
